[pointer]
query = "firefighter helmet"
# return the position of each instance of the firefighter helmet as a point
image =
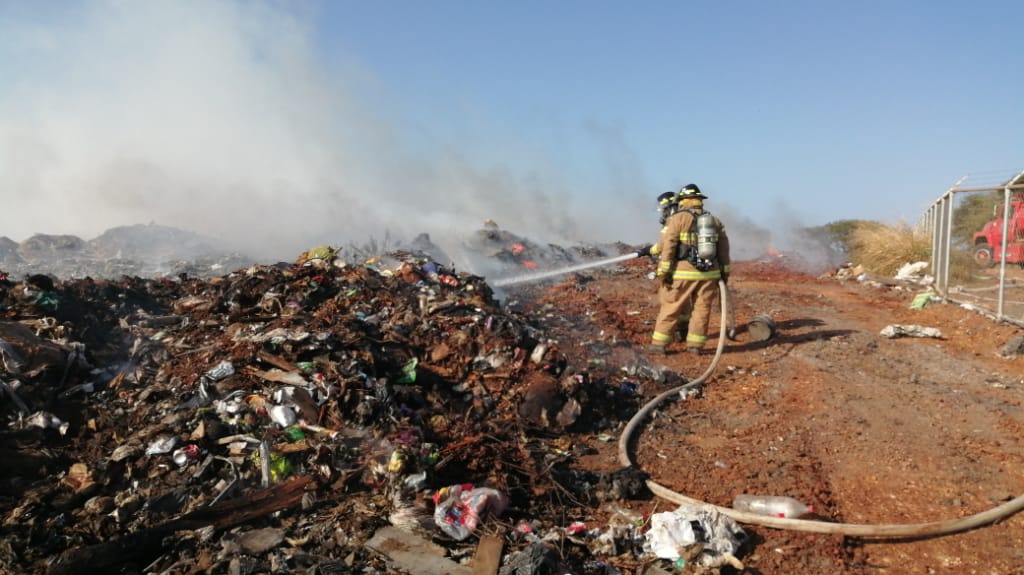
(667, 206)
(691, 191)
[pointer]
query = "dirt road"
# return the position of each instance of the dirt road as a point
(867, 429)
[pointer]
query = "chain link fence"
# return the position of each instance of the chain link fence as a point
(977, 230)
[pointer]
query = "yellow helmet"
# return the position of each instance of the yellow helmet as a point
(690, 191)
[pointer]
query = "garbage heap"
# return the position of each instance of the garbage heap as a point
(143, 250)
(296, 418)
(516, 251)
(151, 250)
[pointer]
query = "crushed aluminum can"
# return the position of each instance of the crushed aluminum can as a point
(576, 527)
(231, 406)
(283, 395)
(186, 454)
(220, 371)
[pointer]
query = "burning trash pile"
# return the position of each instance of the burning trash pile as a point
(139, 250)
(313, 417)
(160, 251)
(520, 252)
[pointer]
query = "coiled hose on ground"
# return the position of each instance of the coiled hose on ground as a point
(855, 529)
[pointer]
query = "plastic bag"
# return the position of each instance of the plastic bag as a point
(922, 299)
(718, 536)
(894, 331)
(460, 508)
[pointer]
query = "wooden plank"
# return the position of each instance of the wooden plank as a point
(415, 555)
(487, 558)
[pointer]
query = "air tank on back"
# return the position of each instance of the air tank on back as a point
(707, 236)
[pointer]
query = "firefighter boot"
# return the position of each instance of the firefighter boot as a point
(655, 349)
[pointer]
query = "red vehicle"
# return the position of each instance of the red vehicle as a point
(988, 242)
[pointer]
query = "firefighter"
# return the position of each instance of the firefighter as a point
(693, 253)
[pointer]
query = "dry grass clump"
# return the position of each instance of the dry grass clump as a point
(883, 249)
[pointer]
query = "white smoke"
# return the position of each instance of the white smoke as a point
(221, 118)
(780, 236)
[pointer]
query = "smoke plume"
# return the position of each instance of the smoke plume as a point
(222, 118)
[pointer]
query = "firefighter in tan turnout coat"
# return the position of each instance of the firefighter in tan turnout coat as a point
(693, 253)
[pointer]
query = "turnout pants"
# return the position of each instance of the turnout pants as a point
(685, 303)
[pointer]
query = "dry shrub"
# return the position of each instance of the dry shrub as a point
(962, 267)
(883, 250)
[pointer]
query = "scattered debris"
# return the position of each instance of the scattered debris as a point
(914, 273)
(894, 330)
(413, 554)
(697, 535)
(280, 416)
(923, 299)
(459, 509)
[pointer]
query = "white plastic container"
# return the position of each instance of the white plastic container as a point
(773, 505)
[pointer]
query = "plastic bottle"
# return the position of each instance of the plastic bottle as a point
(774, 505)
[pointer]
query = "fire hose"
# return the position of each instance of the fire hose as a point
(908, 530)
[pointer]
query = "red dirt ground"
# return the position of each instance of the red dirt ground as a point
(867, 429)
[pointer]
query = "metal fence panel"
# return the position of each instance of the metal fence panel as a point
(977, 231)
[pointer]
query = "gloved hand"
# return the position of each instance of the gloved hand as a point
(665, 279)
(645, 250)
(725, 276)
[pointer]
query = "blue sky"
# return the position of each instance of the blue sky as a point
(878, 106)
(561, 119)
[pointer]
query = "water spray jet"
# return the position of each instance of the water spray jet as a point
(527, 278)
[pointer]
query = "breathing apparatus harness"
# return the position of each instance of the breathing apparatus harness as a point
(703, 254)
